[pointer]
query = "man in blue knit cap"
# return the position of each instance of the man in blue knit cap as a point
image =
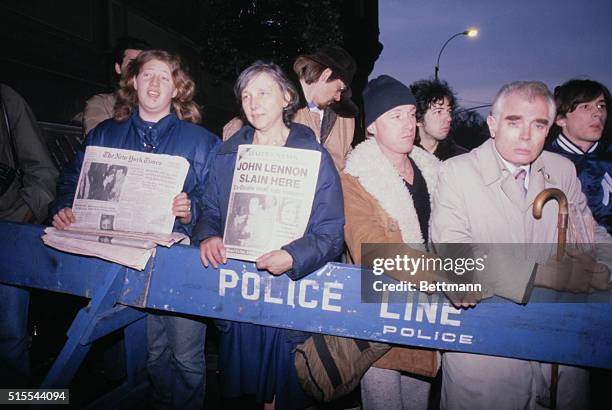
(387, 184)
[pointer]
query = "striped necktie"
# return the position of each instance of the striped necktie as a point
(519, 176)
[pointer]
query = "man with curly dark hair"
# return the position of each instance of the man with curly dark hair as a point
(434, 110)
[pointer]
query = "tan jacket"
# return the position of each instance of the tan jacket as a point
(372, 193)
(98, 108)
(338, 142)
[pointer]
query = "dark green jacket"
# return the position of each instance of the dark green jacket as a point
(40, 173)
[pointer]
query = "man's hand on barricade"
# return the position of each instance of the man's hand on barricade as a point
(64, 218)
(601, 278)
(460, 298)
(212, 252)
(598, 273)
(276, 262)
(464, 300)
(576, 272)
(181, 208)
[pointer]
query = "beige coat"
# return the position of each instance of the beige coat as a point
(97, 109)
(479, 201)
(338, 142)
(373, 192)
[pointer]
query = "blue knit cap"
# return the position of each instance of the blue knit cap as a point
(383, 94)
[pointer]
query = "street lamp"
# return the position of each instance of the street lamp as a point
(471, 32)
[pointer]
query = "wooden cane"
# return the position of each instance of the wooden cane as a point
(562, 222)
(562, 218)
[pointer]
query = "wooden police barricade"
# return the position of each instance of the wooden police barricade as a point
(326, 301)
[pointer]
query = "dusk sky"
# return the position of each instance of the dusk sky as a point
(550, 41)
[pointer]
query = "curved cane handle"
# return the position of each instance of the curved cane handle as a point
(562, 220)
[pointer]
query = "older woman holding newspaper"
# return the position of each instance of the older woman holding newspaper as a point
(155, 113)
(254, 359)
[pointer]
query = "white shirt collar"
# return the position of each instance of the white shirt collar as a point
(513, 168)
(313, 108)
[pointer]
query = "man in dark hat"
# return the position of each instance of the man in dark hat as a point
(325, 77)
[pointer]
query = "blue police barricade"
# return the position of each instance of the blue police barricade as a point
(326, 301)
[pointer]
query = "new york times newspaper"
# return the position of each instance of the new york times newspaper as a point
(271, 198)
(123, 206)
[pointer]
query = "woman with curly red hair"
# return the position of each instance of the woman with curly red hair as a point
(155, 113)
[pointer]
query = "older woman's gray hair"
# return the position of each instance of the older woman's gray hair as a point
(279, 77)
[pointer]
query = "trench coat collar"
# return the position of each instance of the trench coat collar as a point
(493, 170)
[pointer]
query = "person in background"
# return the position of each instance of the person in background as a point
(100, 107)
(582, 112)
(324, 80)
(259, 360)
(435, 102)
(27, 198)
(24, 200)
(155, 113)
(388, 183)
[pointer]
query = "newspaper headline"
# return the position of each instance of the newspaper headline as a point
(271, 199)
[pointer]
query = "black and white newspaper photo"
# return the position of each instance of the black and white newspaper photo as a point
(123, 205)
(113, 182)
(271, 199)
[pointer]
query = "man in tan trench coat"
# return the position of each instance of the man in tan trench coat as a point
(486, 196)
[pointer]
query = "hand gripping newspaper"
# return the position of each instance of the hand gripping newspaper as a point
(123, 206)
(271, 199)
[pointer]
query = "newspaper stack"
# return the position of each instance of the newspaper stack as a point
(271, 199)
(123, 206)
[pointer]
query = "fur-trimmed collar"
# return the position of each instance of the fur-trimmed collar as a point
(378, 177)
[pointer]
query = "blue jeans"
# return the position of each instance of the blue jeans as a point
(14, 340)
(176, 362)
